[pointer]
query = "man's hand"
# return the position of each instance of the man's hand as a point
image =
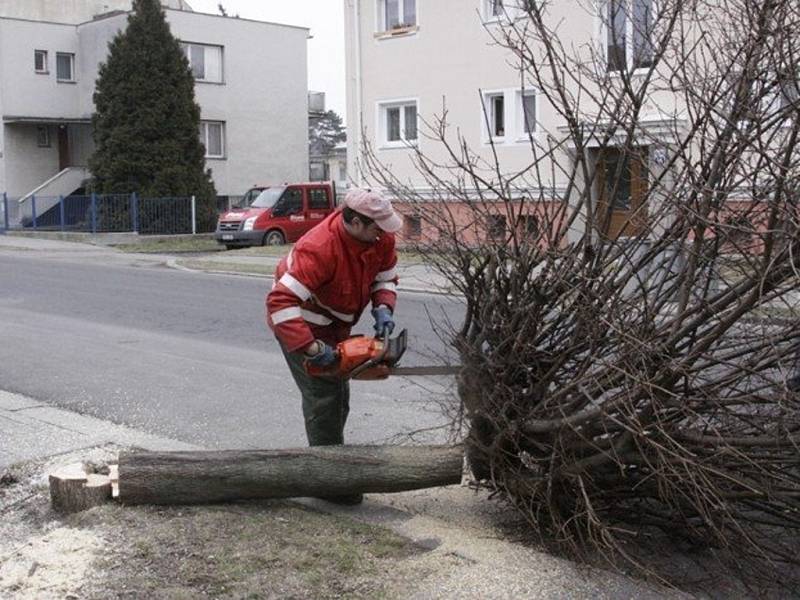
(384, 323)
(320, 354)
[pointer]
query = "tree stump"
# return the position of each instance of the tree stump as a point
(73, 490)
(218, 476)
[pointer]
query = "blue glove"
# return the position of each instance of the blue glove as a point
(324, 357)
(384, 324)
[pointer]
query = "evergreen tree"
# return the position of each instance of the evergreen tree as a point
(147, 121)
(324, 132)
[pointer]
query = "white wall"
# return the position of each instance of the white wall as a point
(263, 100)
(450, 60)
(27, 165)
(24, 92)
(68, 11)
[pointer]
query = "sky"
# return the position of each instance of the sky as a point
(325, 18)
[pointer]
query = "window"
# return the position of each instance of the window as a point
(528, 226)
(528, 112)
(397, 14)
(318, 199)
(291, 203)
(398, 123)
(618, 179)
(412, 227)
(494, 10)
(65, 66)
(495, 114)
(212, 135)
(318, 171)
(40, 61)
(496, 227)
(43, 136)
(628, 26)
(205, 62)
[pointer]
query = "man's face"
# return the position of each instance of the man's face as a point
(365, 233)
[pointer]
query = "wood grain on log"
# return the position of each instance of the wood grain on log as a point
(73, 490)
(217, 476)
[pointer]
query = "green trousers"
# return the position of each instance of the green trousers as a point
(326, 403)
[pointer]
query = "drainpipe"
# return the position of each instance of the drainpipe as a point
(359, 109)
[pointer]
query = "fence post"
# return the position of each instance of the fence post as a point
(33, 210)
(135, 212)
(194, 216)
(61, 211)
(94, 213)
(5, 211)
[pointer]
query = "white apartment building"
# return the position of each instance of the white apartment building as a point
(251, 85)
(409, 59)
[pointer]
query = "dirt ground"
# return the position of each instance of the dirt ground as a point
(270, 549)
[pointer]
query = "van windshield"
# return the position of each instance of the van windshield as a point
(268, 197)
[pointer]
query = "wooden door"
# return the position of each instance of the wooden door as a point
(622, 181)
(63, 148)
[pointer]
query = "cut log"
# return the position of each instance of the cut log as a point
(218, 476)
(73, 490)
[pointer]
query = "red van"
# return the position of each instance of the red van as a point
(275, 215)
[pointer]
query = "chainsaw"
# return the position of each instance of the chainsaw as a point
(369, 358)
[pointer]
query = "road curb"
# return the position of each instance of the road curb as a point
(173, 263)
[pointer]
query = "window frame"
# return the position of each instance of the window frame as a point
(205, 126)
(319, 191)
(382, 108)
(514, 116)
(487, 116)
(71, 56)
(45, 142)
(186, 46)
(46, 68)
(629, 47)
(496, 227)
(382, 26)
(509, 10)
(523, 134)
(412, 227)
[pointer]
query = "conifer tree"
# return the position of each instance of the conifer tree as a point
(146, 121)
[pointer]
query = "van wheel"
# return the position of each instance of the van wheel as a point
(274, 238)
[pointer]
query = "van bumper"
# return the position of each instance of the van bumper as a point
(239, 238)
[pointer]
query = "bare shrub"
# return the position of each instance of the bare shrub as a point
(629, 291)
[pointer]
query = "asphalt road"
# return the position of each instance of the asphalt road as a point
(187, 355)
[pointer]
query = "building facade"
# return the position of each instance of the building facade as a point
(411, 61)
(251, 85)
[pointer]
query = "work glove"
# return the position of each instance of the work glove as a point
(324, 356)
(384, 324)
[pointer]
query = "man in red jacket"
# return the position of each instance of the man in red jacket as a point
(320, 290)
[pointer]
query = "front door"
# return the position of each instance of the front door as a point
(289, 213)
(622, 181)
(63, 148)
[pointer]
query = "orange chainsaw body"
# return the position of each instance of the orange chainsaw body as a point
(353, 354)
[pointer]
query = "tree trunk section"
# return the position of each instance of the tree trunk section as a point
(72, 490)
(218, 476)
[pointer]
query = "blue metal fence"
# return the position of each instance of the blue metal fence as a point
(102, 214)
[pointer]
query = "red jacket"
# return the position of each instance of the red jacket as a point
(325, 283)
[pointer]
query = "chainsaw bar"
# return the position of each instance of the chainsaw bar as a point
(430, 370)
